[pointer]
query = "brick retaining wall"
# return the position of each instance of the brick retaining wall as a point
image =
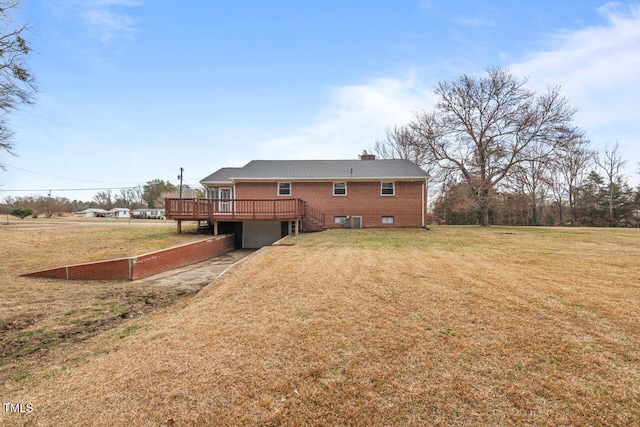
(141, 266)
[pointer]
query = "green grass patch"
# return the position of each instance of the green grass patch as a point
(130, 330)
(29, 334)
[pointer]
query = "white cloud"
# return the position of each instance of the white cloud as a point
(110, 18)
(425, 4)
(105, 19)
(598, 68)
(354, 118)
(476, 21)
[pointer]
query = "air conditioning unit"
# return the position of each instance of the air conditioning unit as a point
(356, 222)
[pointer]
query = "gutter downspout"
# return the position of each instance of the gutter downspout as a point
(423, 201)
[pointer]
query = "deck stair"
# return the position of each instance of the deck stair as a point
(313, 219)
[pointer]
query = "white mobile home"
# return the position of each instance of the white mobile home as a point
(148, 213)
(91, 213)
(122, 213)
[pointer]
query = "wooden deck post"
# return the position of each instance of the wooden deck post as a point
(179, 226)
(215, 227)
(297, 226)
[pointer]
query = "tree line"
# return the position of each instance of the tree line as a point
(500, 153)
(150, 195)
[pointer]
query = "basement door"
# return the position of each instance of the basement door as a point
(256, 234)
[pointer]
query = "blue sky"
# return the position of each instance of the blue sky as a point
(132, 90)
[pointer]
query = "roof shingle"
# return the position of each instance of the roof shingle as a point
(319, 169)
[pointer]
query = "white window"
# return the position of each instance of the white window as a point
(387, 189)
(284, 189)
(387, 220)
(339, 219)
(339, 188)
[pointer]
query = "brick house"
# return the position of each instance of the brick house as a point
(267, 199)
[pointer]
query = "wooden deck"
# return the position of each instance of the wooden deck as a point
(234, 209)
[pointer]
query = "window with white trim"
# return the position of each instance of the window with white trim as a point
(387, 188)
(339, 188)
(387, 220)
(284, 189)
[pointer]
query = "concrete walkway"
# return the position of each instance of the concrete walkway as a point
(196, 276)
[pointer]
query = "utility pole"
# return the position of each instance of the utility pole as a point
(180, 178)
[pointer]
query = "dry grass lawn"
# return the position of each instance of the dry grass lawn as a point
(43, 320)
(454, 326)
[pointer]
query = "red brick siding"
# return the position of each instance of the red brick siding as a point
(362, 199)
(143, 265)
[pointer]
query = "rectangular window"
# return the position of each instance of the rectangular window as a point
(339, 188)
(387, 189)
(387, 220)
(339, 219)
(284, 189)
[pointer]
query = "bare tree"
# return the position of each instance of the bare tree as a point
(558, 189)
(122, 200)
(129, 198)
(573, 161)
(16, 82)
(483, 126)
(531, 176)
(445, 177)
(401, 142)
(104, 199)
(611, 163)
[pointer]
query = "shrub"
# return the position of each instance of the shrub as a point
(21, 213)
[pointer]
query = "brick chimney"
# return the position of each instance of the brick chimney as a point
(367, 156)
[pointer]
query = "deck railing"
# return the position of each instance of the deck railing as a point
(206, 209)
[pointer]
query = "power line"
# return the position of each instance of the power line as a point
(71, 179)
(71, 189)
(37, 131)
(38, 115)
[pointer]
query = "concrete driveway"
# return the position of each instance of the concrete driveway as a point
(196, 276)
